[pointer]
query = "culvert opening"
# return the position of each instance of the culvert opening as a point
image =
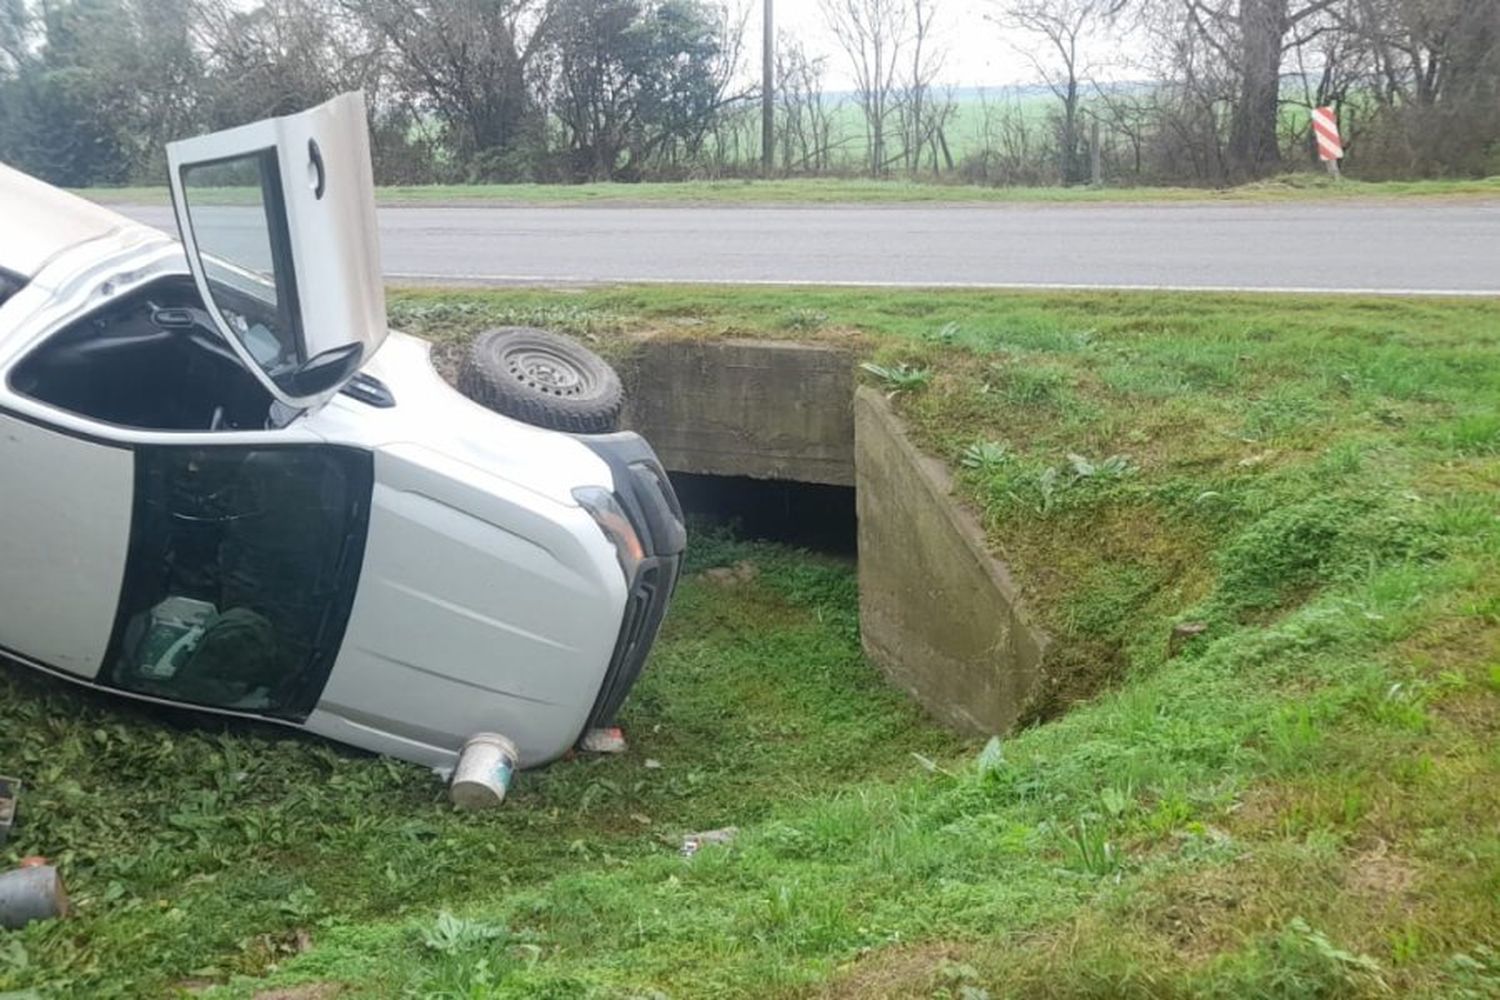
(806, 515)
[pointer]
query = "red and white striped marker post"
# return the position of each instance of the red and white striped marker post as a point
(1326, 129)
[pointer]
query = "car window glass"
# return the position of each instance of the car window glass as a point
(241, 574)
(235, 209)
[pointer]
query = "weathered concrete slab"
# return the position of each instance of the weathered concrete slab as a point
(939, 615)
(762, 409)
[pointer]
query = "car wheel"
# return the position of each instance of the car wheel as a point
(543, 379)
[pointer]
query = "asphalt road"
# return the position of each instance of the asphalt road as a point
(1391, 247)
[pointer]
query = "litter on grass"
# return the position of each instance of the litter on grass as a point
(695, 842)
(610, 739)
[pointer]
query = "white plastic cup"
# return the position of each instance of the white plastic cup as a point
(486, 765)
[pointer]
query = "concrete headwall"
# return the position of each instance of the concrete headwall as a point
(939, 615)
(761, 409)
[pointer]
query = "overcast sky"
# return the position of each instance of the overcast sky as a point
(979, 52)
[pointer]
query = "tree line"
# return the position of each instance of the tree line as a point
(577, 90)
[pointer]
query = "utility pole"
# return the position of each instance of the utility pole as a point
(768, 93)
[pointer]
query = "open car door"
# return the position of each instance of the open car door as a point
(278, 221)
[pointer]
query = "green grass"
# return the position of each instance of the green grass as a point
(1303, 801)
(1295, 187)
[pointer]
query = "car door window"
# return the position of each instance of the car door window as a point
(236, 210)
(241, 574)
(278, 221)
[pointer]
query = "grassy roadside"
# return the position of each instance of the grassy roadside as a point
(1304, 801)
(1296, 187)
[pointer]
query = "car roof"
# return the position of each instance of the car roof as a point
(41, 221)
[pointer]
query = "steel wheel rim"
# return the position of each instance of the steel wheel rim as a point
(548, 371)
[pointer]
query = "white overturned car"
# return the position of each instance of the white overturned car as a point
(224, 485)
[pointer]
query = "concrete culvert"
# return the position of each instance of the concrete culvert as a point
(774, 439)
(807, 515)
(544, 379)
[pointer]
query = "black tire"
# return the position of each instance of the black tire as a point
(543, 379)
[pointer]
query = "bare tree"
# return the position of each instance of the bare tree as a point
(722, 72)
(806, 121)
(1009, 152)
(872, 34)
(1130, 114)
(1251, 39)
(1061, 27)
(921, 114)
(1434, 74)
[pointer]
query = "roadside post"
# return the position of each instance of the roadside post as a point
(1326, 129)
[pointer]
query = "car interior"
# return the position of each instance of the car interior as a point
(241, 573)
(153, 361)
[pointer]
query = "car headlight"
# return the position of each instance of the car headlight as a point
(615, 523)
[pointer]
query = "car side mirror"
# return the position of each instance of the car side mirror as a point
(323, 372)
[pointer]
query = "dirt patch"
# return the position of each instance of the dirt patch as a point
(1380, 874)
(307, 991)
(729, 576)
(1467, 648)
(912, 971)
(1258, 810)
(1477, 714)
(1199, 916)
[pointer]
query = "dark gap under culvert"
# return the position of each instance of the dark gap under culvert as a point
(806, 515)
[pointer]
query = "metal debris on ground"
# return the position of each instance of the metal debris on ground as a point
(31, 893)
(608, 739)
(695, 842)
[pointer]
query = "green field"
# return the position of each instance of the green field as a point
(1296, 187)
(1304, 801)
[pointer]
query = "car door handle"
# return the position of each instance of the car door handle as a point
(315, 168)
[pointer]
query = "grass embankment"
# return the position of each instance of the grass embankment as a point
(1303, 801)
(1294, 187)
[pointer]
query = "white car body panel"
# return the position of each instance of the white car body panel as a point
(64, 532)
(41, 221)
(473, 529)
(432, 414)
(469, 623)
